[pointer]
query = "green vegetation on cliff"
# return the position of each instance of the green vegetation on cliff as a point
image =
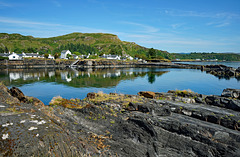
(83, 43)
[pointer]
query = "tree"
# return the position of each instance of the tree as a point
(152, 53)
(77, 53)
(69, 56)
(1, 50)
(46, 55)
(6, 50)
(17, 50)
(56, 55)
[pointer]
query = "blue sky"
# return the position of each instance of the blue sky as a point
(171, 25)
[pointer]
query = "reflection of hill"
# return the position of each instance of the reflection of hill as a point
(82, 78)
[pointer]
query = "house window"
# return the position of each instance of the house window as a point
(13, 56)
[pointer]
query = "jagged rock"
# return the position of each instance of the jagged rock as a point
(91, 95)
(223, 102)
(235, 93)
(149, 108)
(113, 127)
(6, 97)
(221, 70)
(15, 92)
(147, 94)
(34, 101)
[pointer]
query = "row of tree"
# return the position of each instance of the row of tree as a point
(209, 56)
(17, 50)
(77, 49)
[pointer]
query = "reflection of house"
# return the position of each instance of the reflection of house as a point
(112, 74)
(111, 56)
(66, 76)
(14, 76)
(51, 73)
(64, 54)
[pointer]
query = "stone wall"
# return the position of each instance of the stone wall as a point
(34, 63)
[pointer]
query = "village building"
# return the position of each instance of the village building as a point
(50, 56)
(75, 56)
(31, 55)
(4, 54)
(15, 56)
(116, 57)
(64, 54)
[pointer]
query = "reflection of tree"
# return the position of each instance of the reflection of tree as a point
(151, 77)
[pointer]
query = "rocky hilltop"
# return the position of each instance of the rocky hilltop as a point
(177, 123)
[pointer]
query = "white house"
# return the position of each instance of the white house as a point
(64, 54)
(4, 54)
(130, 58)
(75, 56)
(116, 57)
(15, 56)
(31, 55)
(50, 56)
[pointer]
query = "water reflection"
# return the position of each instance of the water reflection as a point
(77, 77)
(151, 77)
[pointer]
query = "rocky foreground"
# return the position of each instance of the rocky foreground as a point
(177, 123)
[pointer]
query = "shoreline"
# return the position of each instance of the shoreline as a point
(217, 70)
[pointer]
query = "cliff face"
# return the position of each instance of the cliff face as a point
(171, 124)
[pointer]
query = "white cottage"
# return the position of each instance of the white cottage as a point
(64, 54)
(31, 55)
(50, 56)
(15, 56)
(116, 57)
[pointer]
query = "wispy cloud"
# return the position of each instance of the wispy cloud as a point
(44, 27)
(175, 12)
(223, 18)
(143, 27)
(218, 24)
(56, 3)
(177, 25)
(182, 42)
(4, 4)
(24, 23)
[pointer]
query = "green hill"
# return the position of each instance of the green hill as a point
(81, 43)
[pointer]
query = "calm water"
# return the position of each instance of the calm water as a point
(47, 83)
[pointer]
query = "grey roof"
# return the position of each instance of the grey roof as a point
(64, 51)
(109, 56)
(32, 54)
(4, 54)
